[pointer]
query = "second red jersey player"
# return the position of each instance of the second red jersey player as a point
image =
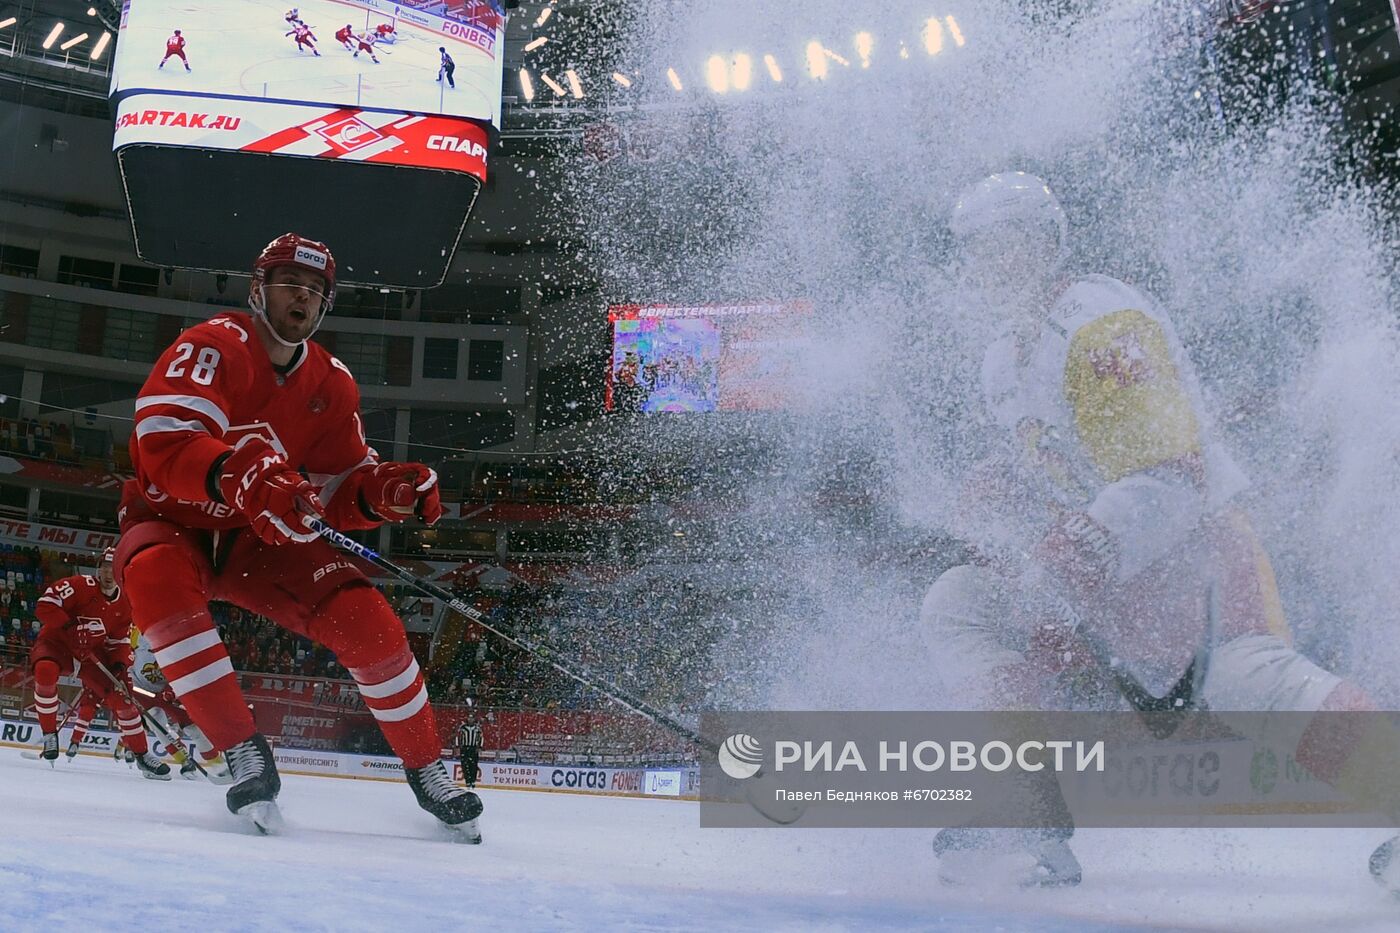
(243, 430)
(86, 628)
(303, 36)
(175, 47)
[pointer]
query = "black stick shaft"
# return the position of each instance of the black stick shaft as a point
(172, 739)
(622, 697)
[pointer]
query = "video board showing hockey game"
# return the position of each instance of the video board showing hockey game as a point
(673, 358)
(363, 54)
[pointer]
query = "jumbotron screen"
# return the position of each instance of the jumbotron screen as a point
(365, 54)
(672, 358)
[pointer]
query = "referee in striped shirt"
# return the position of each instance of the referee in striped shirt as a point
(469, 750)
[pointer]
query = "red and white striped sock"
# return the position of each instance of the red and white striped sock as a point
(193, 658)
(46, 695)
(129, 722)
(394, 691)
(81, 724)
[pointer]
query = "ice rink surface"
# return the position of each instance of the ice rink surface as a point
(91, 845)
(238, 47)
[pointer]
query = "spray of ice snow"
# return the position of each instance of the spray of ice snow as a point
(1270, 259)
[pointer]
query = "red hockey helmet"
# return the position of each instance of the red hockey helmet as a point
(291, 249)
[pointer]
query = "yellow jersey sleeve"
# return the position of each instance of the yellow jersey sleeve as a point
(1130, 407)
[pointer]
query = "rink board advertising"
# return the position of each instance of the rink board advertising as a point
(678, 358)
(937, 769)
(241, 50)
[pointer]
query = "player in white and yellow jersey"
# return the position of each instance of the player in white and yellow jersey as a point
(1107, 526)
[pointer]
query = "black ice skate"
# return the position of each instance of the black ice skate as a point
(72, 750)
(50, 752)
(152, 767)
(256, 784)
(455, 806)
(1028, 858)
(1385, 866)
(188, 771)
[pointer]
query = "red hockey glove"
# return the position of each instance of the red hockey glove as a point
(120, 661)
(89, 635)
(396, 492)
(256, 480)
(1079, 551)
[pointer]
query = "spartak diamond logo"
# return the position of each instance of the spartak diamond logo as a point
(348, 134)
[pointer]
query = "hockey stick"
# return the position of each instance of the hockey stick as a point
(171, 739)
(579, 674)
(755, 792)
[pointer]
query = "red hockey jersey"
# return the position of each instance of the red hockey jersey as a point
(216, 385)
(79, 616)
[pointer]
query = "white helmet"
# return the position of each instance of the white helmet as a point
(1010, 198)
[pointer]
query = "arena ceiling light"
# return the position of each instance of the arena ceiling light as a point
(742, 72)
(545, 14)
(527, 87)
(101, 46)
(73, 41)
(955, 32)
(816, 60)
(717, 74)
(865, 44)
(92, 11)
(774, 71)
(621, 79)
(575, 85)
(675, 79)
(536, 43)
(6, 23)
(54, 33)
(554, 86)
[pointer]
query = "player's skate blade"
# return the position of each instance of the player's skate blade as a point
(970, 857)
(152, 768)
(264, 817)
(467, 834)
(436, 793)
(1385, 865)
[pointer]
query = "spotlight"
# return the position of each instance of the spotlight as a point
(717, 74)
(933, 36)
(527, 87)
(53, 35)
(865, 42)
(816, 60)
(742, 72)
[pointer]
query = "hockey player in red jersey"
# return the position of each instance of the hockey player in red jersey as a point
(385, 32)
(87, 623)
(243, 429)
(366, 45)
(175, 46)
(302, 33)
(346, 37)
